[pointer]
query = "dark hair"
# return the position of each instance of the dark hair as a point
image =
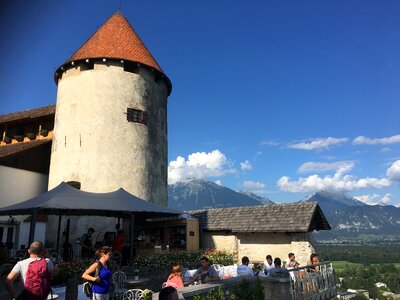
(277, 261)
(313, 255)
(36, 248)
(291, 254)
(268, 257)
(205, 258)
(245, 260)
(91, 229)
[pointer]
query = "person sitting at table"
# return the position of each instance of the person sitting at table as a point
(268, 264)
(313, 263)
(278, 271)
(205, 273)
(175, 278)
(292, 261)
(244, 269)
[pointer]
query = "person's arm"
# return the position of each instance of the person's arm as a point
(82, 241)
(212, 275)
(179, 283)
(86, 275)
(196, 275)
(10, 284)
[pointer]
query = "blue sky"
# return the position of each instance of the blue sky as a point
(283, 98)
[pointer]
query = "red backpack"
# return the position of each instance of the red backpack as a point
(38, 280)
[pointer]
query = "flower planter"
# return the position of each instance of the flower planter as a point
(44, 132)
(19, 138)
(31, 136)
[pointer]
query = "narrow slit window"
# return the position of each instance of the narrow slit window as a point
(136, 116)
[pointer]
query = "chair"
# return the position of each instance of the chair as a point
(133, 294)
(116, 259)
(219, 268)
(165, 284)
(118, 279)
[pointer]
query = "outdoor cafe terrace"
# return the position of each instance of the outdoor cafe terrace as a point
(149, 273)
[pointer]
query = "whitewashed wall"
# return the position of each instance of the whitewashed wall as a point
(18, 185)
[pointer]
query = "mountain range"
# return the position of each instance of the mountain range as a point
(348, 217)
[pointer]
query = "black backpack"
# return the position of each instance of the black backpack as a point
(87, 286)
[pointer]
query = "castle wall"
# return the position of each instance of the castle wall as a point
(257, 245)
(94, 143)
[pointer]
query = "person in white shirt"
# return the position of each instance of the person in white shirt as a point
(268, 264)
(20, 270)
(244, 269)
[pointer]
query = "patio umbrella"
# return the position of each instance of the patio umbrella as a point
(66, 200)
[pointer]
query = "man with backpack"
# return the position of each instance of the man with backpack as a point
(35, 273)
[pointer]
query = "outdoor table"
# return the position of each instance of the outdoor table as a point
(132, 283)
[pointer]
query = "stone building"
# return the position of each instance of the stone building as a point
(256, 231)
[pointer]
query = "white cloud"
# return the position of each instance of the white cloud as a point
(386, 149)
(318, 167)
(219, 182)
(199, 165)
(270, 143)
(246, 166)
(375, 199)
(254, 186)
(398, 205)
(363, 140)
(393, 173)
(338, 182)
(318, 143)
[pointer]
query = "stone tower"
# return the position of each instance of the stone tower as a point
(111, 116)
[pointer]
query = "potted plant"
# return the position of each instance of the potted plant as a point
(44, 132)
(19, 137)
(147, 294)
(7, 140)
(31, 135)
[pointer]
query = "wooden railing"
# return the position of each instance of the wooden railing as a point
(313, 282)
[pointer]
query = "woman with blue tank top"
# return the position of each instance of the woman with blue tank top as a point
(102, 278)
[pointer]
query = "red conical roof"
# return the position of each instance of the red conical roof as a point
(116, 39)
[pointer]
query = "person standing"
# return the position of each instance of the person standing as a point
(35, 273)
(101, 280)
(87, 250)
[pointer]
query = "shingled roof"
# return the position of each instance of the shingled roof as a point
(30, 114)
(116, 39)
(12, 149)
(298, 217)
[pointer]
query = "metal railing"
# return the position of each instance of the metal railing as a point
(313, 282)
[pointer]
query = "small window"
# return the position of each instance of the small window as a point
(131, 67)
(86, 66)
(75, 184)
(136, 115)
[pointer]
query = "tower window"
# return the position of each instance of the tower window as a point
(136, 115)
(75, 184)
(131, 67)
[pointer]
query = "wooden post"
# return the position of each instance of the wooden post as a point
(58, 232)
(131, 232)
(32, 227)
